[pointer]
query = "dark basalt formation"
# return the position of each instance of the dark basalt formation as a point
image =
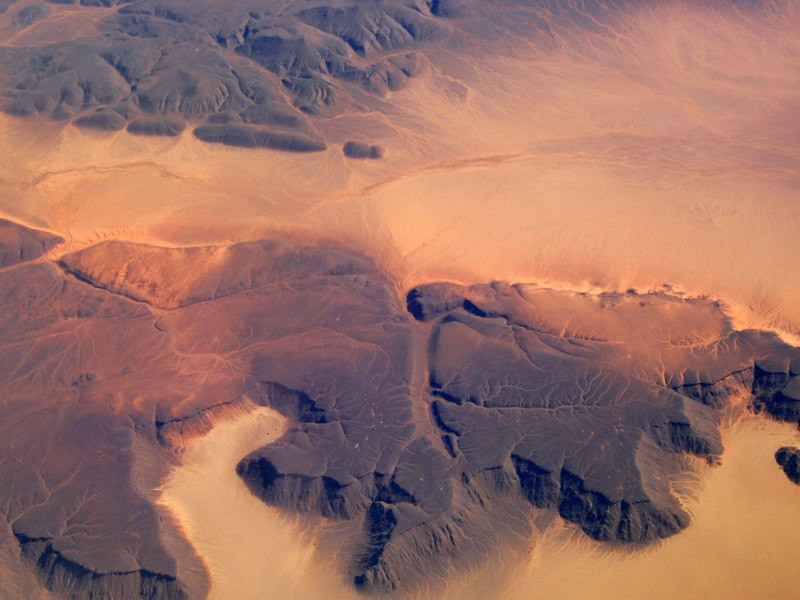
(20, 244)
(789, 460)
(252, 137)
(777, 391)
(361, 150)
(435, 426)
(149, 64)
(103, 119)
(60, 573)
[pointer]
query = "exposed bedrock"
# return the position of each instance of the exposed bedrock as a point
(557, 380)
(245, 136)
(149, 67)
(165, 126)
(789, 460)
(434, 427)
(128, 345)
(361, 150)
(589, 415)
(30, 14)
(75, 581)
(103, 119)
(776, 387)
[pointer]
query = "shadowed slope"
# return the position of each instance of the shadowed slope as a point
(788, 459)
(20, 244)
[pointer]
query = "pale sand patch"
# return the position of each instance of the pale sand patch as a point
(251, 551)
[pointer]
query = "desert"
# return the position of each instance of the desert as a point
(401, 298)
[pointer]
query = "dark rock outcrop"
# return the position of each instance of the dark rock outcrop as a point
(30, 14)
(250, 137)
(789, 460)
(169, 127)
(103, 119)
(434, 426)
(147, 67)
(360, 150)
(583, 422)
(72, 580)
(776, 388)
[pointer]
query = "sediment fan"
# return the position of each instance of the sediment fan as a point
(435, 419)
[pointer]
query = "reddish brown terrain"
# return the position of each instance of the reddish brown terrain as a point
(424, 426)
(333, 298)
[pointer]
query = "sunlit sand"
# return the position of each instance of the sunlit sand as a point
(250, 550)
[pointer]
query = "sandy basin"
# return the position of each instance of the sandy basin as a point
(736, 547)
(250, 550)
